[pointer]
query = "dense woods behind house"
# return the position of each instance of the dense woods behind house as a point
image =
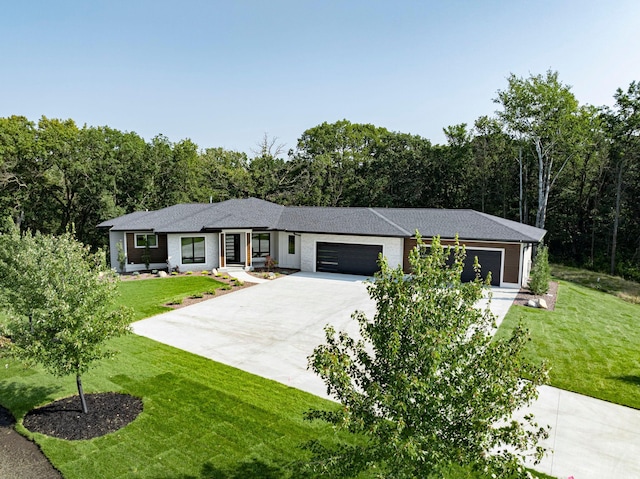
(541, 158)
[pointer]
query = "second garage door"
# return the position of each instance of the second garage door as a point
(347, 258)
(488, 260)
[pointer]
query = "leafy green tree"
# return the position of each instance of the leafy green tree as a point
(398, 172)
(540, 273)
(21, 173)
(224, 174)
(337, 155)
(493, 190)
(623, 124)
(427, 385)
(544, 112)
(60, 300)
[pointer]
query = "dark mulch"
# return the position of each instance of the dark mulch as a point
(525, 295)
(64, 419)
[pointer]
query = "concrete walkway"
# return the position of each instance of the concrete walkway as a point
(246, 277)
(270, 329)
(589, 438)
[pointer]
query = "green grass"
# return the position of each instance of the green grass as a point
(590, 342)
(200, 418)
(148, 296)
(620, 287)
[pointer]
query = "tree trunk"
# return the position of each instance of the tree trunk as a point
(616, 218)
(81, 394)
(521, 196)
(541, 195)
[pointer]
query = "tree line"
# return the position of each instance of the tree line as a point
(542, 158)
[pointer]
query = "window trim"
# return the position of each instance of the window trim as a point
(256, 241)
(146, 235)
(182, 257)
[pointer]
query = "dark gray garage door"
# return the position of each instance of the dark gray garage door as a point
(347, 258)
(489, 261)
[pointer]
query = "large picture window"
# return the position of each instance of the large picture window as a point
(260, 245)
(143, 240)
(193, 250)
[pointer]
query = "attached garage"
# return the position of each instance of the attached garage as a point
(488, 260)
(347, 258)
(501, 259)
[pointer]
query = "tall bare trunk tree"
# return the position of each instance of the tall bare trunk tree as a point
(545, 113)
(624, 127)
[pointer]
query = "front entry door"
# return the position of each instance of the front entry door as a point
(232, 247)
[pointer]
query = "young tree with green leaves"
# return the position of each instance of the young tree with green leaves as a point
(541, 272)
(60, 300)
(427, 385)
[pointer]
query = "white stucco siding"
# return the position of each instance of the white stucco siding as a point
(286, 260)
(391, 247)
(174, 251)
(116, 237)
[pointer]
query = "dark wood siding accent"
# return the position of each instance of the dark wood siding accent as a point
(158, 255)
(511, 255)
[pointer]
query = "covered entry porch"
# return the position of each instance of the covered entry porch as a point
(244, 248)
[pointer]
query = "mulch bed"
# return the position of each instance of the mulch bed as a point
(64, 418)
(525, 295)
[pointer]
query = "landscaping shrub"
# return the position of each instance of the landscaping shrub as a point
(540, 273)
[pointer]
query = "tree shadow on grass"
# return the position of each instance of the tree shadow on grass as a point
(630, 379)
(21, 398)
(250, 469)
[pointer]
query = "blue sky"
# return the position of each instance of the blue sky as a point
(225, 73)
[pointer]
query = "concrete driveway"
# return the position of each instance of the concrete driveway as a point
(270, 329)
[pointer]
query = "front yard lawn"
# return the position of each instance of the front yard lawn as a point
(590, 341)
(200, 418)
(147, 296)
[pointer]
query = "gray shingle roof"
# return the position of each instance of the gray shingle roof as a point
(194, 217)
(259, 214)
(356, 221)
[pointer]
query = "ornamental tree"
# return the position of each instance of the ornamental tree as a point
(60, 300)
(427, 385)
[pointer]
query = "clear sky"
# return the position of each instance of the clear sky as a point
(225, 73)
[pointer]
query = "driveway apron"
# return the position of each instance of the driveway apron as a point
(270, 329)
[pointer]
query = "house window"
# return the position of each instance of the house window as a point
(193, 250)
(292, 244)
(260, 245)
(143, 240)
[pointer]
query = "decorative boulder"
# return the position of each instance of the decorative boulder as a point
(214, 272)
(542, 304)
(162, 274)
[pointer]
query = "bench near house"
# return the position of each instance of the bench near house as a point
(243, 232)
